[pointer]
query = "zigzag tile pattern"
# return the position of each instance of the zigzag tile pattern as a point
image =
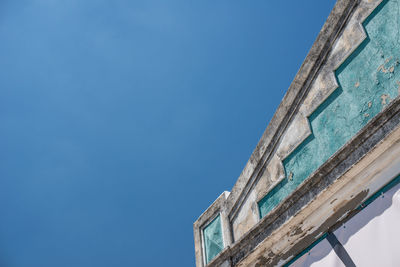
(357, 84)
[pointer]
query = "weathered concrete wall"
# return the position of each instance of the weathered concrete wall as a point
(350, 75)
(327, 198)
(332, 206)
(368, 80)
(219, 233)
(303, 146)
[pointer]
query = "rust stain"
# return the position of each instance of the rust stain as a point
(357, 84)
(370, 103)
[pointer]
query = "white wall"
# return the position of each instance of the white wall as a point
(371, 238)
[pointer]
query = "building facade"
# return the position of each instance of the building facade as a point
(322, 186)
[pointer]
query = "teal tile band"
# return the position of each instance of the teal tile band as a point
(368, 80)
(213, 240)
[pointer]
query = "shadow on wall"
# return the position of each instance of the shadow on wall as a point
(380, 203)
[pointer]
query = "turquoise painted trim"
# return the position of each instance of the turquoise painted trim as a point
(213, 240)
(368, 79)
(365, 204)
(383, 190)
(306, 250)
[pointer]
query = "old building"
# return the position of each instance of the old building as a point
(322, 186)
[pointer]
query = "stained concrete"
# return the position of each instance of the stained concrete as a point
(336, 171)
(367, 82)
(344, 65)
(322, 86)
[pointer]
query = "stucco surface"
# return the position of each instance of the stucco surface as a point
(336, 110)
(340, 36)
(366, 163)
(368, 80)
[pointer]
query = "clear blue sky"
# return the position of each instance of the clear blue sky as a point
(121, 121)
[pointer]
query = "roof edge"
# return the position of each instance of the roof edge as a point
(291, 102)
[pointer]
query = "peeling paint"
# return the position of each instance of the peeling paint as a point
(296, 230)
(357, 69)
(384, 97)
(374, 65)
(290, 176)
(262, 262)
(309, 238)
(398, 83)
